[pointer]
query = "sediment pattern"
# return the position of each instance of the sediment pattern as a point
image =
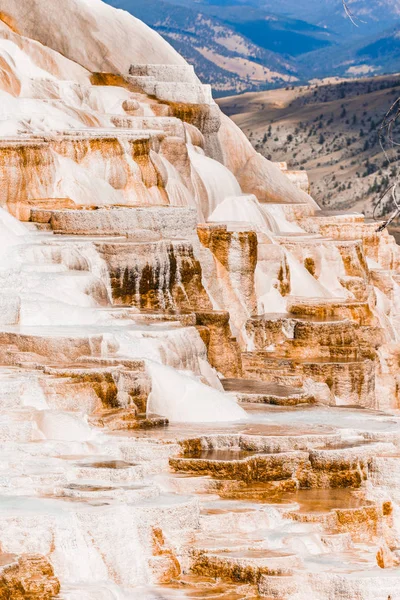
(199, 385)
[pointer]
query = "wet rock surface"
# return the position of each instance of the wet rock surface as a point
(29, 577)
(199, 384)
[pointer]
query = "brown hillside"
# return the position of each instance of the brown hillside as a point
(329, 128)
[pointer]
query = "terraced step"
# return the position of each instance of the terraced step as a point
(261, 372)
(92, 489)
(272, 330)
(132, 364)
(303, 350)
(182, 73)
(79, 287)
(249, 390)
(29, 574)
(171, 126)
(351, 382)
(335, 216)
(344, 230)
(38, 227)
(170, 222)
(221, 518)
(33, 346)
(261, 438)
(232, 541)
(317, 254)
(325, 309)
(162, 275)
(333, 466)
(293, 212)
(104, 468)
(245, 566)
(365, 523)
(240, 465)
(99, 388)
(345, 465)
(67, 344)
(200, 586)
(127, 419)
(68, 257)
(332, 527)
(146, 317)
(369, 584)
(378, 246)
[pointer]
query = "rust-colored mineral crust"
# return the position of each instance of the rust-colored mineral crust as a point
(199, 368)
(30, 577)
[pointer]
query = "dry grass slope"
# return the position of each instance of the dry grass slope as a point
(329, 128)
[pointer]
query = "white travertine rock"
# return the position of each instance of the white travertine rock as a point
(178, 73)
(255, 173)
(187, 93)
(45, 60)
(106, 39)
(91, 33)
(299, 178)
(158, 256)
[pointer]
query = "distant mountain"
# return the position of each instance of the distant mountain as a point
(372, 55)
(371, 16)
(267, 29)
(382, 52)
(251, 45)
(232, 47)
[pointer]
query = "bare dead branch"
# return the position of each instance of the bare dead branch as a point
(389, 221)
(381, 199)
(392, 188)
(349, 14)
(385, 134)
(386, 129)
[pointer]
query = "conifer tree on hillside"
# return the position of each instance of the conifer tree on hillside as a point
(386, 141)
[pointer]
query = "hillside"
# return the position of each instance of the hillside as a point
(329, 129)
(227, 60)
(371, 17)
(233, 48)
(374, 54)
(253, 45)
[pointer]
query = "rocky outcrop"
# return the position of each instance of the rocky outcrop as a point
(30, 577)
(104, 39)
(256, 174)
(168, 78)
(198, 368)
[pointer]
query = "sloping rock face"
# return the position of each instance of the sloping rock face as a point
(29, 578)
(199, 384)
(103, 39)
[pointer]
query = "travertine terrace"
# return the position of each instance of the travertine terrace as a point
(199, 368)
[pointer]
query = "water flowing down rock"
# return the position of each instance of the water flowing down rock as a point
(199, 369)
